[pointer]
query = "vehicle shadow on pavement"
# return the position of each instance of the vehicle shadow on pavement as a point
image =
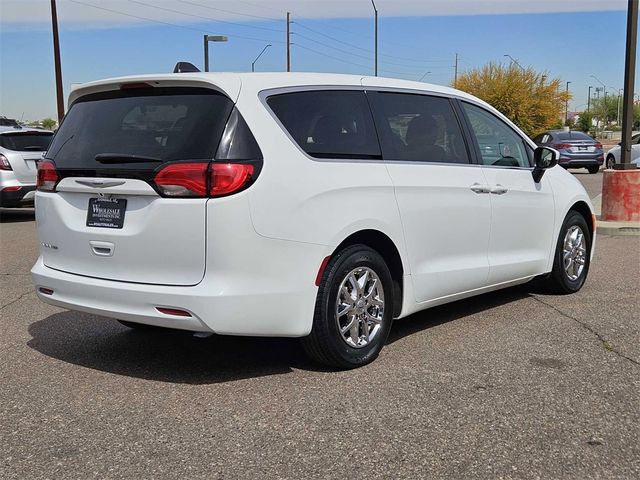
(11, 215)
(179, 357)
(162, 355)
(435, 316)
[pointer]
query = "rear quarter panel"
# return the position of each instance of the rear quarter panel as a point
(301, 199)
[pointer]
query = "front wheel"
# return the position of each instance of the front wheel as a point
(572, 256)
(594, 169)
(611, 161)
(354, 309)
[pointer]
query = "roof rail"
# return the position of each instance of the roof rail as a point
(185, 67)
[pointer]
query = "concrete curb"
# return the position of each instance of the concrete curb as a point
(613, 228)
(618, 228)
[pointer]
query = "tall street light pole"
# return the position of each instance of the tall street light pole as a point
(375, 11)
(513, 60)
(207, 39)
(589, 99)
(566, 105)
(253, 64)
(56, 58)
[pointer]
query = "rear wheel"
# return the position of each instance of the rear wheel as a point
(594, 169)
(354, 309)
(572, 256)
(611, 161)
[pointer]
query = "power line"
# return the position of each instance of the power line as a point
(331, 56)
(330, 46)
(139, 17)
(205, 17)
(317, 32)
(368, 67)
(346, 52)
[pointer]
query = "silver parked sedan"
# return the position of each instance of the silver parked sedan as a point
(20, 150)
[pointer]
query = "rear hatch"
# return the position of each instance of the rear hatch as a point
(108, 218)
(24, 149)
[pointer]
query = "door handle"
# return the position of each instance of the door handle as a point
(477, 188)
(498, 189)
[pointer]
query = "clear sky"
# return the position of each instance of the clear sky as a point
(98, 43)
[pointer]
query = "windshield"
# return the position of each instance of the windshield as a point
(166, 124)
(26, 141)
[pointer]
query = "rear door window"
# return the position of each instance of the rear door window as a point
(158, 124)
(420, 128)
(26, 141)
(328, 123)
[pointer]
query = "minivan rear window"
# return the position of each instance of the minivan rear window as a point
(328, 123)
(157, 124)
(26, 141)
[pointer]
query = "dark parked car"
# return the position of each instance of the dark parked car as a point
(577, 149)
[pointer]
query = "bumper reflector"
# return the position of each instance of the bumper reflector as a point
(45, 291)
(173, 311)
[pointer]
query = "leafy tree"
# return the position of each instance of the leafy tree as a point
(530, 99)
(606, 110)
(48, 123)
(585, 122)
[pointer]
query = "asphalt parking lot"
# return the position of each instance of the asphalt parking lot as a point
(514, 384)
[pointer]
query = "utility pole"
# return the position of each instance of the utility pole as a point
(589, 99)
(288, 42)
(629, 81)
(375, 11)
(455, 73)
(56, 58)
(206, 53)
(566, 105)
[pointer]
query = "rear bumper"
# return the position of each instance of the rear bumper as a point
(247, 305)
(17, 195)
(574, 162)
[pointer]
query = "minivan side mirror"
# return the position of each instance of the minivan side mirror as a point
(544, 158)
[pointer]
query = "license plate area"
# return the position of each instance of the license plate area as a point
(106, 212)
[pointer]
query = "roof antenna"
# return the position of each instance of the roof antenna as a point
(185, 67)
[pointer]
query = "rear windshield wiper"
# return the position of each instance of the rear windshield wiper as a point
(32, 148)
(124, 158)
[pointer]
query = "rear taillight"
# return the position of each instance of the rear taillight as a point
(4, 163)
(204, 179)
(228, 178)
(183, 180)
(598, 146)
(562, 146)
(47, 176)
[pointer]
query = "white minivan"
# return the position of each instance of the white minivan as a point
(304, 205)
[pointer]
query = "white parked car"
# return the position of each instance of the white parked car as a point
(21, 149)
(614, 155)
(302, 205)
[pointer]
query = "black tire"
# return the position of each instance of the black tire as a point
(594, 169)
(325, 343)
(611, 161)
(139, 326)
(558, 281)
